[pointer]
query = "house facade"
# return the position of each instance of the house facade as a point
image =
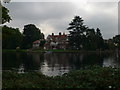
(56, 41)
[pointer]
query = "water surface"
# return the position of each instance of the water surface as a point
(53, 64)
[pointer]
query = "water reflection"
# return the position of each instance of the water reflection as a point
(112, 61)
(21, 69)
(57, 63)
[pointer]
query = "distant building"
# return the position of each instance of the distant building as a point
(56, 41)
(36, 44)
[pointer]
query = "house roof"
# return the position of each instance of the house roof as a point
(37, 41)
(59, 36)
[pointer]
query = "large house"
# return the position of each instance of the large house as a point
(56, 41)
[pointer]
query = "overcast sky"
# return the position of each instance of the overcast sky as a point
(55, 16)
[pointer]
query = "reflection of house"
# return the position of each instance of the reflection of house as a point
(56, 41)
(36, 44)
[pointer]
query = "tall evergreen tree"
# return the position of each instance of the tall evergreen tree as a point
(94, 39)
(99, 39)
(91, 39)
(76, 29)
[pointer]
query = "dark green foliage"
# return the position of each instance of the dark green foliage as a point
(116, 40)
(81, 37)
(90, 78)
(11, 38)
(5, 15)
(30, 34)
(99, 39)
(76, 36)
(94, 39)
(42, 43)
(91, 39)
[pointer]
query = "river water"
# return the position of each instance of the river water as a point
(53, 64)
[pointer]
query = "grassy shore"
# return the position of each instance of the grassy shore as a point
(14, 50)
(57, 50)
(91, 78)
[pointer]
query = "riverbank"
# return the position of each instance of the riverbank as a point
(61, 51)
(91, 78)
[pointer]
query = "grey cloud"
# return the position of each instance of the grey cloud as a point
(42, 11)
(58, 15)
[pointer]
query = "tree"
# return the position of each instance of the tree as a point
(91, 39)
(82, 37)
(30, 34)
(11, 38)
(5, 16)
(99, 40)
(98, 33)
(116, 40)
(76, 30)
(94, 39)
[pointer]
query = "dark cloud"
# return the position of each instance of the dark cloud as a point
(55, 16)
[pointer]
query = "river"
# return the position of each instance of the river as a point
(53, 64)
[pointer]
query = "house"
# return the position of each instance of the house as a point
(56, 41)
(36, 44)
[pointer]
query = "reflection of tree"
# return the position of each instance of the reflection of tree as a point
(37, 58)
(10, 60)
(32, 61)
(94, 59)
(118, 55)
(80, 60)
(56, 60)
(63, 61)
(58, 63)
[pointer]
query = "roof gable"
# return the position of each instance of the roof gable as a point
(37, 41)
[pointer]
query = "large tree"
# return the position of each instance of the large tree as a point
(94, 39)
(11, 38)
(91, 39)
(30, 34)
(76, 29)
(99, 40)
(82, 37)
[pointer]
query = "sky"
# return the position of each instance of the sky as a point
(54, 17)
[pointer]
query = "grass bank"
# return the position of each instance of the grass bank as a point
(91, 78)
(58, 50)
(14, 50)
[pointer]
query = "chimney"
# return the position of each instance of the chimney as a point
(52, 34)
(59, 33)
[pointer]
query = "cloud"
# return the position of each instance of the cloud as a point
(56, 16)
(103, 16)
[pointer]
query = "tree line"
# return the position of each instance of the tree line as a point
(13, 38)
(80, 36)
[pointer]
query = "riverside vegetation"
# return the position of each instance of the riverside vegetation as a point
(90, 77)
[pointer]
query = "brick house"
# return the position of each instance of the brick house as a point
(56, 41)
